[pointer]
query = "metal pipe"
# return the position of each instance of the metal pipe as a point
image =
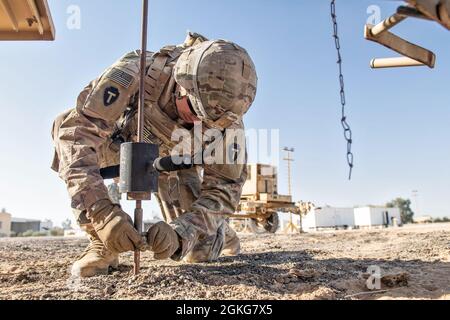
(412, 12)
(138, 213)
(394, 63)
(387, 24)
(138, 221)
(143, 64)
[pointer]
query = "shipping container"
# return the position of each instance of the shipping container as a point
(377, 216)
(328, 217)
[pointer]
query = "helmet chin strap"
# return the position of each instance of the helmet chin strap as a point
(184, 110)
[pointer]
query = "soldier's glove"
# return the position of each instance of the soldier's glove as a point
(163, 240)
(114, 227)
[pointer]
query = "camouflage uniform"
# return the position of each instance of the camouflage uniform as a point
(114, 193)
(88, 137)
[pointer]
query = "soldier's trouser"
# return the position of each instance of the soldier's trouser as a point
(177, 191)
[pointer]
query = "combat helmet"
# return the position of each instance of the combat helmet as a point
(220, 80)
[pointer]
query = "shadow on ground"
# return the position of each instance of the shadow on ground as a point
(292, 271)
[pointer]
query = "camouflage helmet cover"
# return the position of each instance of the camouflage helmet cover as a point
(220, 80)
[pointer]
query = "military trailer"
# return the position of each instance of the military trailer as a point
(260, 200)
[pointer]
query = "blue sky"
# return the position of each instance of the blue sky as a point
(399, 117)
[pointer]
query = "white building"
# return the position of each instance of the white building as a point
(349, 218)
(328, 217)
(367, 217)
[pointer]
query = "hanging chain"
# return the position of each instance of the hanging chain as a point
(345, 125)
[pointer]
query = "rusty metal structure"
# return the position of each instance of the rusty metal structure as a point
(410, 54)
(137, 158)
(138, 177)
(26, 20)
(138, 213)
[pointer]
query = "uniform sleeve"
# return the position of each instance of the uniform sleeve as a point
(89, 126)
(220, 194)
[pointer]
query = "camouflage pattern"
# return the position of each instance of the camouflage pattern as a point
(82, 220)
(194, 216)
(220, 80)
(86, 138)
(114, 193)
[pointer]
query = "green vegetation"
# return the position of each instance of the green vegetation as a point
(405, 208)
(441, 220)
(31, 233)
(57, 232)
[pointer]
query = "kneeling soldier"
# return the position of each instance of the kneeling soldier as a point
(212, 83)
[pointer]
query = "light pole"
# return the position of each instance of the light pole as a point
(415, 194)
(291, 227)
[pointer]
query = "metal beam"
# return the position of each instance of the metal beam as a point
(427, 7)
(412, 12)
(37, 15)
(9, 12)
(438, 10)
(401, 46)
(24, 20)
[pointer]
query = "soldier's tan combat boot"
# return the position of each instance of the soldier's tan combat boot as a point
(95, 260)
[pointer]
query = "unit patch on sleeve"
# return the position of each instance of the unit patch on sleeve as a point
(120, 77)
(110, 96)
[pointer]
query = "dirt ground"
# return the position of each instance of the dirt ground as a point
(414, 262)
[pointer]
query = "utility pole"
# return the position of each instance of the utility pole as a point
(288, 159)
(291, 227)
(415, 194)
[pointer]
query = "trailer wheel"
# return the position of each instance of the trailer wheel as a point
(270, 224)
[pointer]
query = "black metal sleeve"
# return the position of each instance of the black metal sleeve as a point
(165, 164)
(110, 172)
(168, 164)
